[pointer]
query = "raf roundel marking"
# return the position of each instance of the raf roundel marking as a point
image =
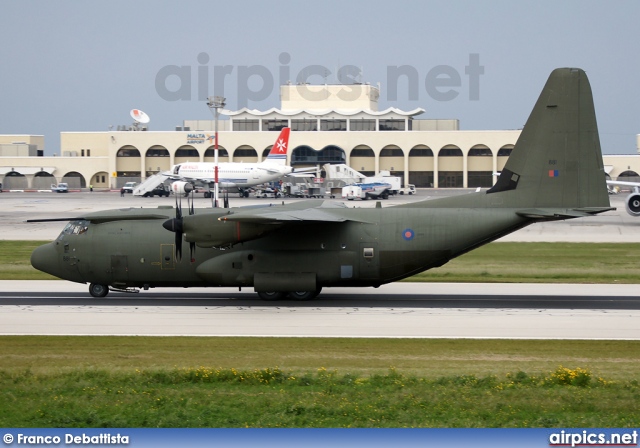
(408, 234)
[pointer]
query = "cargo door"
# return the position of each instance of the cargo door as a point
(119, 268)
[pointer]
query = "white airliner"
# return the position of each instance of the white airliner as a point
(239, 175)
(632, 203)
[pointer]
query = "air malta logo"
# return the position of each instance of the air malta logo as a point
(281, 146)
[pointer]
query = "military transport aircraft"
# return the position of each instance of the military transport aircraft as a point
(554, 172)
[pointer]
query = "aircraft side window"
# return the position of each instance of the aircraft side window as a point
(367, 252)
(74, 228)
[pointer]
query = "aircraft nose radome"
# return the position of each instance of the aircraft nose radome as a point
(44, 258)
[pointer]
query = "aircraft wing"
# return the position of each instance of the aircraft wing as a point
(327, 212)
(623, 183)
(110, 216)
(620, 183)
(300, 175)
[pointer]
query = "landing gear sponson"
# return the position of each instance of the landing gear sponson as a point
(97, 290)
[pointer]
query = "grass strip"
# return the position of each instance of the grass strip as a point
(65, 381)
(271, 397)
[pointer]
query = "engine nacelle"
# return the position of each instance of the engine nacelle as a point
(633, 204)
(180, 187)
(207, 230)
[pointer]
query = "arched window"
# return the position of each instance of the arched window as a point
(157, 151)
(629, 176)
(480, 151)
(210, 152)
(391, 151)
(74, 179)
(128, 151)
(244, 151)
(187, 151)
(362, 151)
(421, 151)
(505, 151)
(450, 151)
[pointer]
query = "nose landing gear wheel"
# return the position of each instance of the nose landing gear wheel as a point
(97, 290)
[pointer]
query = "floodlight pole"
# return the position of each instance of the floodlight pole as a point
(215, 103)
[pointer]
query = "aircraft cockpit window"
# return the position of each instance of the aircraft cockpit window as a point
(75, 228)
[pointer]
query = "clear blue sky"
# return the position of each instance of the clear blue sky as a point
(81, 66)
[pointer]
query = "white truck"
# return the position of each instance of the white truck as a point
(385, 177)
(366, 191)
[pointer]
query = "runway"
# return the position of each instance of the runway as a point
(396, 310)
(393, 311)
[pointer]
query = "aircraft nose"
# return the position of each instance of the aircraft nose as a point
(45, 258)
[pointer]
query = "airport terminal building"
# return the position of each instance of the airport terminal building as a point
(329, 124)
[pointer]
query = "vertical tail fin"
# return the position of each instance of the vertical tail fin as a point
(557, 160)
(278, 153)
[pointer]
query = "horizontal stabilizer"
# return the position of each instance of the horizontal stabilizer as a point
(552, 214)
(268, 170)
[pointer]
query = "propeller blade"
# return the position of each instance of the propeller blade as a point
(191, 210)
(175, 225)
(192, 251)
(178, 242)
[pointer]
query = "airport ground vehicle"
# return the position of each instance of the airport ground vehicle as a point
(62, 187)
(268, 193)
(408, 189)
(395, 183)
(129, 187)
(160, 190)
(366, 191)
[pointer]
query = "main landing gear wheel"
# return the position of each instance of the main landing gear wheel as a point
(304, 295)
(271, 295)
(97, 290)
